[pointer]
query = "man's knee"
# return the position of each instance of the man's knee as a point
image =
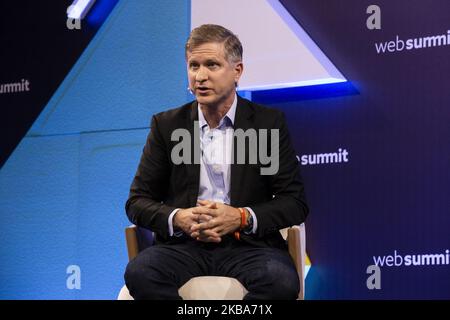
(141, 279)
(283, 282)
(135, 272)
(143, 268)
(286, 287)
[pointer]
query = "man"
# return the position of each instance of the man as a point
(211, 213)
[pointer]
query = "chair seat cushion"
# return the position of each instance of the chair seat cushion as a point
(212, 288)
(204, 288)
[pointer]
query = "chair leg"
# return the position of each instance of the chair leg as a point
(297, 250)
(132, 242)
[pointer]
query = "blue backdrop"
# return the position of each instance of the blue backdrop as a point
(63, 189)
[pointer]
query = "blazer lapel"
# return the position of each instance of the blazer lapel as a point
(193, 169)
(243, 120)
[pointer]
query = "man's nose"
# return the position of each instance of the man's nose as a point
(201, 75)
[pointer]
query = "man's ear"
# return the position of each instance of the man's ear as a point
(238, 68)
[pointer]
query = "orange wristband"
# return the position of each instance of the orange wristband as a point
(243, 219)
(237, 234)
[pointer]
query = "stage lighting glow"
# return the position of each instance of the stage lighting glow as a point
(305, 83)
(79, 9)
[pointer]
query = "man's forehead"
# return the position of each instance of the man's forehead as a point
(207, 50)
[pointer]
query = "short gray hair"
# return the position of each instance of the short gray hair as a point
(214, 33)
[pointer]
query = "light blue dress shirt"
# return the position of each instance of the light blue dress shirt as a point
(215, 162)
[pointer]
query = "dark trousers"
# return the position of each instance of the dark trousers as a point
(160, 270)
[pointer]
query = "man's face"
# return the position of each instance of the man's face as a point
(212, 77)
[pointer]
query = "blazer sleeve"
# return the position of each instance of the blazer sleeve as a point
(288, 206)
(145, 207)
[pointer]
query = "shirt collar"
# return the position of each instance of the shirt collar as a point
(230, 114)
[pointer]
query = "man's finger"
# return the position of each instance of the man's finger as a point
(208, 236)
(204, 218)
(210, 239)
(209, 233)
(205, 225)
(205, 210)
(205, 233)
(208, 203)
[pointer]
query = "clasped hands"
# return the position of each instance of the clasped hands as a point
(209, 221)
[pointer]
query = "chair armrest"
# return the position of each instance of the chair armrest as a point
(132, 241)
(297, 250)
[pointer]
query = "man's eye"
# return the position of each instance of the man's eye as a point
(212, 65)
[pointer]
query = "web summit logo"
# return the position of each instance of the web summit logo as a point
(411, 260)
(341, 156)
(421, 42)
(400, 260)
(399, 45)
(21, 86)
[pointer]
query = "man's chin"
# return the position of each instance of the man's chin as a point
(205, 100)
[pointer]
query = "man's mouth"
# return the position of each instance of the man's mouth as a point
(203, 90)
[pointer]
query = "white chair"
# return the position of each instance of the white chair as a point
(214, 287)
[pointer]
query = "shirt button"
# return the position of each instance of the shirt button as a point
(217, 168)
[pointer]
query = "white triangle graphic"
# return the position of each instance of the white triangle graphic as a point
(277, 51)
